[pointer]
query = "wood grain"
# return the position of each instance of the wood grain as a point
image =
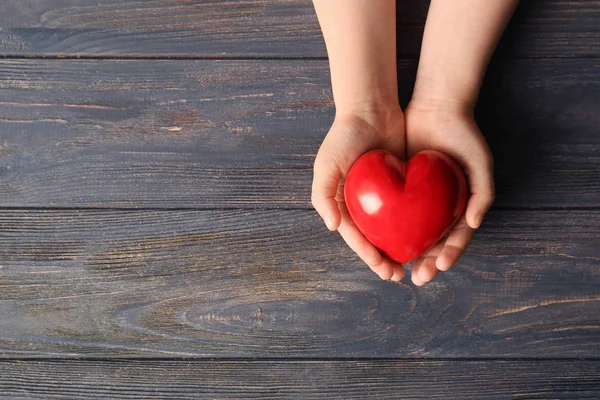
(275, 283)
(194, 134)
(342, 379)
(256, 28)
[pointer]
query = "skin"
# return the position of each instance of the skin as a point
(360, 35)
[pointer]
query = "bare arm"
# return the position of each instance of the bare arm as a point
(361, 43)
(460, 37)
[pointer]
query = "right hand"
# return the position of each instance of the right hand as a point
(450, 127)
(350, 136)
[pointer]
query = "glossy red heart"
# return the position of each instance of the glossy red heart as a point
(405, 208)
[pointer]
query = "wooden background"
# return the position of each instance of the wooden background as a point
(157, 239)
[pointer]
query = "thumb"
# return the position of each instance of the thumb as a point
(326, 180)
(480, 174)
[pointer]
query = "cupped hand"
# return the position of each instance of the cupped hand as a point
(451, 128)
(350, 136)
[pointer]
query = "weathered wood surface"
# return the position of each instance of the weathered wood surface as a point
(343, 379)
(119, 133)
(264, 278)
(256, 28)
(275, 283)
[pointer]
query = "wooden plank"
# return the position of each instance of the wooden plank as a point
(177, 133)
(256, 28)
(340, 379)
(275, 283)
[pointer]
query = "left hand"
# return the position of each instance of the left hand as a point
(351, 135)
(450, 127)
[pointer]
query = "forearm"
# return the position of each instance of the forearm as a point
(460, 37)
(361, 43)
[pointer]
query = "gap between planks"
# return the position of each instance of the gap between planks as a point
(247, 58)
(261, 208)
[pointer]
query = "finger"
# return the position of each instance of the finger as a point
(458, 240)
(325, 185)
(415, 271)
(363, 248)
(398, 270)
(366, 251)
(480, 174)
(478, 206)
(427, 270)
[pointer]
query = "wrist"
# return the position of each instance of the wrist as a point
(368, 86)
(365, 97)
(434, 103)
(372, 107)
(378, 115)
(428, 113)
(446, 87)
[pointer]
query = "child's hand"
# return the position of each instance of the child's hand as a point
(458, 41)
(351, 136)
(361, 44)
(451, 129)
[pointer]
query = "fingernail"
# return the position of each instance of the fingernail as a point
(478, 220)
(442, 264)
(328, 223)
(397, 277)
(415, 279)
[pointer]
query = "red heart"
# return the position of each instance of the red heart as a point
(405, 208)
